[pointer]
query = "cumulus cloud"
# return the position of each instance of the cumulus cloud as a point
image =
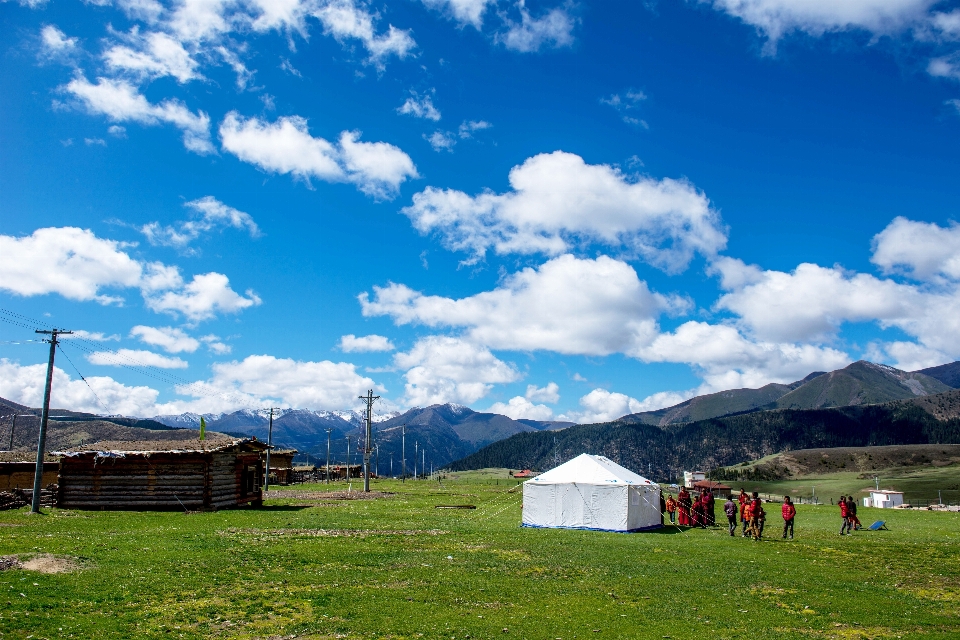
(420, 106)
(601, 405)
(921, 250)
(120, 101)
(558, 201)
(521, 408)
(441, 140)
(552, 29)
(775, 18)
(25, 384)
(77, 264)
(945, 67)
(170, 339)
(126, 357)
(469, 127)
(286, 146)
(351, 343)
(568, 305)
(463, 11)
(71, 262)
(202, 298)
(212, 214)
(549, 393)
(152, 55)
(444, 369)
(55, 43)
(347, 19)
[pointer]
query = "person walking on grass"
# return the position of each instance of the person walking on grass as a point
(711, 508)
(743, 500)
(672, 509)
(683, 506)
(730, 508)
(789, 512)
(852, 514)
(844, 516)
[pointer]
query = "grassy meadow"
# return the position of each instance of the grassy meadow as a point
(394, 566)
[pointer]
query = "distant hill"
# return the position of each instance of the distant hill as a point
(446, 431)
(858, 384)
(665, 451)
(948, 374)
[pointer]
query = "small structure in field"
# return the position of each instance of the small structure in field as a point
(526, 473)
(217, 473)
(591, 492)
(883, 499)
(719, 490)
(689, 477)
(17, 470)
(281, 465)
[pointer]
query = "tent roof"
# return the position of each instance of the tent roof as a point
(587, 469)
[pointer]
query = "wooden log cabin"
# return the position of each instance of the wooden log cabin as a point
(17, 470)
(281, 466)
(162, 474)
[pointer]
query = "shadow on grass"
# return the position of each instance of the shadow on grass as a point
(284, 507)
(669, 530)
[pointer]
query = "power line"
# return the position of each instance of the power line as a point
(84, 379)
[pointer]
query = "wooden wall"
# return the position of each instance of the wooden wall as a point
(19, 475)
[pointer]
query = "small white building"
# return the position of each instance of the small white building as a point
(883, 499)
(689, 477)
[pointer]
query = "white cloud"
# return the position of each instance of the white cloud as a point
(420, 107)
(443, 369)
(521, 408)
(725, 359)
(137, 357)
(68, 261)
(776, 18)
(286, 146)
(945, 67)
(152, 55)
(463, 11)
(924, 251)
(347, 19)
(148, 11)
(117, 131)
(908, 356)
(25, 385)
(947, 23)
(213, 214)
(568, 305)
(55, 43)
(351, 343)
(215, 345)
(552, 29)
(99, 142)
(810, 303)
(295, 383)
(98, 336)
(558, 201)
(441, 140)
(120, 101)
(33, 4)
(601, 405)
(202, 298)
(549, 393)
(170, 339)
(955, 103)
(468, 127)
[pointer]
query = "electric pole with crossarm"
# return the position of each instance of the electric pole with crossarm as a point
(42, 441)
(368, 399)
(266, 482)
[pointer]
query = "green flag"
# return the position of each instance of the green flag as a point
(203, 428)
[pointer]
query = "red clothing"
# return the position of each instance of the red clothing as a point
(788, 511)
(843, 509)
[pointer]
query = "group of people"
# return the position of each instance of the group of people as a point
(698, 511)
(849, 522)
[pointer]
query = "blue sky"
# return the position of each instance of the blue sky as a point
(555, 210)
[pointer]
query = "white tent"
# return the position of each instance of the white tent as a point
(591, 492)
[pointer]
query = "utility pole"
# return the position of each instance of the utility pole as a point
(348, 458)
(368, 399)
(403, 452)
(42, 440)
(423, 467)
(376, 465)
(416, 449)
(328, 455)
(13, 425)
(266, 481)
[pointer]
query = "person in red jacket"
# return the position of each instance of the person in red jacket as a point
(743, 499)
(789, 512)
(845, 523)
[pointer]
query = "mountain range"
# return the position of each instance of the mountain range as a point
(862, 404)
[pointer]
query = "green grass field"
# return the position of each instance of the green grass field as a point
(396, 567)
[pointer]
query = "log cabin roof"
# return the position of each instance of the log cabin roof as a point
(124, 448)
